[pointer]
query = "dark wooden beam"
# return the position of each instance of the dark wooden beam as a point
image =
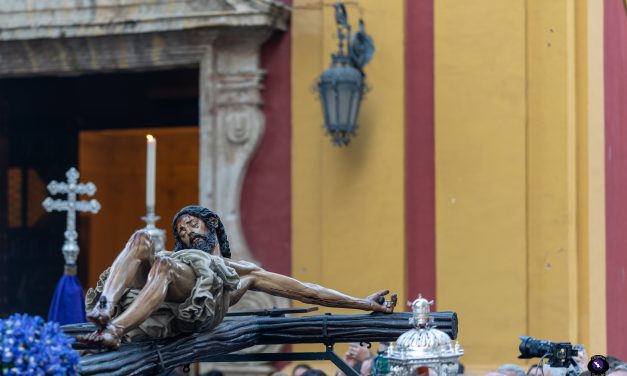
(146, 358)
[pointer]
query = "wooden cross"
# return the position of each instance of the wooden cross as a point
(72, 188)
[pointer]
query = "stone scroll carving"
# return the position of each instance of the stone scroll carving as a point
(231, 127)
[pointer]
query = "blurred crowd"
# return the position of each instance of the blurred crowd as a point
(358, 357)
(367, 363)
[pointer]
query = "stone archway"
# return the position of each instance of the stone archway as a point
(223, 37)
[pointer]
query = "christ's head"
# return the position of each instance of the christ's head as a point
(196, 227)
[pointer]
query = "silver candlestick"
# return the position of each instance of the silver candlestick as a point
(156, 234)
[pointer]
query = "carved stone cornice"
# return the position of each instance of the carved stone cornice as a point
(72, 56)
(49, 19)
(60, 37)
(238, 89)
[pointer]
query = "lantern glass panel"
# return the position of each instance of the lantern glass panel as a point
(345, 94)
(355, 103)
(322, 89)
(330, 102)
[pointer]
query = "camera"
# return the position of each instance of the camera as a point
(559, 354)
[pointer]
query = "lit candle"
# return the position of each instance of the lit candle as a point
(151, 159)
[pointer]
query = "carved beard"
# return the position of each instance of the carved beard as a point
(204, 243)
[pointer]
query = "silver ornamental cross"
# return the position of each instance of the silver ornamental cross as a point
(72, 188)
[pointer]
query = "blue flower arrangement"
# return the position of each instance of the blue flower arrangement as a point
(31, 346)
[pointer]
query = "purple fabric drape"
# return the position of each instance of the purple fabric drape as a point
(68, 302)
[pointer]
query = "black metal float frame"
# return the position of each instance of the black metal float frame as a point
(329, 354)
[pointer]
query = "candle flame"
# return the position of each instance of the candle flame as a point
(150, 138)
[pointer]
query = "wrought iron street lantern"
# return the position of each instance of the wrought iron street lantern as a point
(342, 86)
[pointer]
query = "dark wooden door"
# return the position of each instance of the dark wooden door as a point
(41, 147)
(41, 124)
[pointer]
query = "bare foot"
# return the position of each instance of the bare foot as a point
(109, 338)
(101, 313)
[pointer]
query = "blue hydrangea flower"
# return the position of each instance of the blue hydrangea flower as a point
(31, 346)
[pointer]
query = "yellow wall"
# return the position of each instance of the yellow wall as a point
(480, 119)
(347, 203)
(519, 172)
(591, 175)
(519, 168)
(551, 170)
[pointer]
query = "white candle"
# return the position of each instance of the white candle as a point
(151, 161)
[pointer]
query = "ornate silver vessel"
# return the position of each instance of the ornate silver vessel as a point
(424, 346)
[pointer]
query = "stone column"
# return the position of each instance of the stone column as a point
(231, 127)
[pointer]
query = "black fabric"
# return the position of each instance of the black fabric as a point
(204, 214)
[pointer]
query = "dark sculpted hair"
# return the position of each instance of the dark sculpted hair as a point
(204, 214)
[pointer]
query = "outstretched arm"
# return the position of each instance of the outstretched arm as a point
(257, 279)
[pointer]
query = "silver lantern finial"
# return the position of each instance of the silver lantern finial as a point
(421, 312)
(72, 188)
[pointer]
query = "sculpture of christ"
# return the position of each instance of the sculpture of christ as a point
(148, 295)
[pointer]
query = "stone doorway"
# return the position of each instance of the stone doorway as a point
(43, 118)
(221, 38)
